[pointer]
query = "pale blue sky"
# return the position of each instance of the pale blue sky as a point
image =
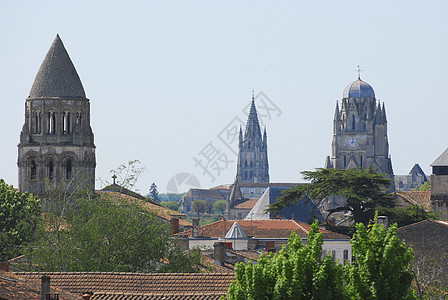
(165, 78)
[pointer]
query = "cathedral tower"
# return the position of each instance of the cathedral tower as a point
(253, 151)
(56, 143)
(360, 131)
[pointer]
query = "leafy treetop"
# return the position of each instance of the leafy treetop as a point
(19, 218)
(364, 189)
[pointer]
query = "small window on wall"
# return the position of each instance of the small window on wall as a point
(228, 245)
(50, 170)
(33, 170)
(345, 256)
(68, 169)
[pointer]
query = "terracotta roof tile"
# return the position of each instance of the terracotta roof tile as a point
(248, 204)
(154, 283)
(163, 212)
(15, 287)
(262, 229)
(421, 198)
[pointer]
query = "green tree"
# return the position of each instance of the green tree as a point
(364, 189)
(154, 193)
(199, 206)
(19, 218)
(108, 235)
(382, 265)
(296, 272)
(219, 206)
(426, 186)
(173, 205)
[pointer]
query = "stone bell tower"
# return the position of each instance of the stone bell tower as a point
(360, 131)
(56, 143)
(253, 163)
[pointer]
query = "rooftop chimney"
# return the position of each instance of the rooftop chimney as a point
(219, 253)
(45, 289)
(382, 220)
(175, 224)
(195, 227)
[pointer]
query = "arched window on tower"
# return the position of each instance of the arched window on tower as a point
(78, 118)
(50, 170)
(51, 123)
(33, 170)
(68, 169)
(353, 122)
(361, 161)
(66, 123)
(345, 161)
(251, 164)
(245, 163)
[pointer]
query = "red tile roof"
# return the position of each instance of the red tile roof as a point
(220, 187)
(421, 198)
(154, 283)
(15, 287)
(137, 296)
(248, 204)
(162, 212)
(441, 222)
(262, 229)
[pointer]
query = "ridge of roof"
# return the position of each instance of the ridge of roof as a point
(300, 225)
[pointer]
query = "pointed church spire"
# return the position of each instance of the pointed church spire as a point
(253, 126)
(265, 139)
(57, 76)
(328, 163)
(384, 114)
(336, 111)
(378, 114)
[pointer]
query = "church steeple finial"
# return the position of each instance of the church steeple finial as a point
(359, 73)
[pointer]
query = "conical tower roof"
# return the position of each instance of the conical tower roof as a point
(57, 76)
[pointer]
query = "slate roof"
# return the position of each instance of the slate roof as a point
(162, 212)
(13, 287)
(204, 194)
(301, 211)
(422, 198)
(442, 160)
(417, 170)
(166, 284)
(57, 76)
(272, 229)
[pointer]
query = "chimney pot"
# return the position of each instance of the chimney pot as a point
(195, 227)
(382, 220)
(219, 253)
(45, 287)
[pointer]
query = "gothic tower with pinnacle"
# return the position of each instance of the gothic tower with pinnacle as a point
(360, 131)
(56, 143)
(253, 163)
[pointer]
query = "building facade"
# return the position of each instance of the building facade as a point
(360, 131)
(56, 143)
(253, 166)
